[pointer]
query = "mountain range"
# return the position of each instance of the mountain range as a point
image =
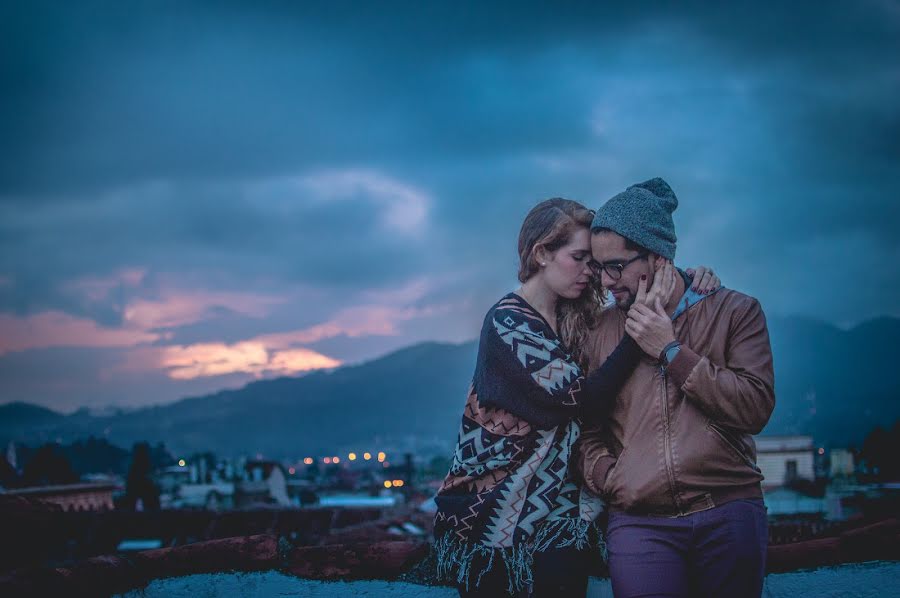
(833, 384)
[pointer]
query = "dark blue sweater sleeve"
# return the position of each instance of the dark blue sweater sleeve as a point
(505, 378)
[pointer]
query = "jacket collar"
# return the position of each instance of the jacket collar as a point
(690, 297)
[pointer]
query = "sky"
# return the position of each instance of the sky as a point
(195, 195)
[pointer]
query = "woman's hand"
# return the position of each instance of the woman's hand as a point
(663, 286)
(651, 328)
(705, 280)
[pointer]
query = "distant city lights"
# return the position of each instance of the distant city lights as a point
(397, 483)
(292, 471)
(181, 463)
(334, 459)
(387, 483)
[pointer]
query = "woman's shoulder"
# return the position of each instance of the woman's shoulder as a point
(512, 314)
(513, 308)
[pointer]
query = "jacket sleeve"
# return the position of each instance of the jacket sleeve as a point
(739, 394)
(544, 388)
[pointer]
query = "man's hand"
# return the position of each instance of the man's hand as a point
(663, 286)
(650, 328)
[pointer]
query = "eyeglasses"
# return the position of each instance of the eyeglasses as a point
(613, 269)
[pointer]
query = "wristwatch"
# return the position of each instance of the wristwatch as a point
(669, 352)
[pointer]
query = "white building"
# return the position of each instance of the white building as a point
(181, 486)
(785, 458)
(842, 463)
(265, 482)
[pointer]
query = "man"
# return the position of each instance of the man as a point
(675, 462)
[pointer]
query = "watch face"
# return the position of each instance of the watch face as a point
(670, 353)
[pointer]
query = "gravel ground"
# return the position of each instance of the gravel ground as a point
(864, 580)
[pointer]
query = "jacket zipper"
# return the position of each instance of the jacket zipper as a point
(667, 442)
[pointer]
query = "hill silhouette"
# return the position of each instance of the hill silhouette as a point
(833, 384)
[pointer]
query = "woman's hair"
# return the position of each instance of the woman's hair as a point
(551, 224)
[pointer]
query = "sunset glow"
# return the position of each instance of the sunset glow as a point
(57, 329)
(216, 359)
(178, 308)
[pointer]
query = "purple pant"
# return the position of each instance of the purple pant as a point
(717, 552)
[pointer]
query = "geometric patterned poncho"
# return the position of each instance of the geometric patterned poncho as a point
(509, 492)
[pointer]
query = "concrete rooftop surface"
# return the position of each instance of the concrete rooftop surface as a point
(859, 580)
(348, 552)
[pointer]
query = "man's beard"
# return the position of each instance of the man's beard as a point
(626, 302)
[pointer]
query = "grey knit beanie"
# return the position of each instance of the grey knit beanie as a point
(643, 214)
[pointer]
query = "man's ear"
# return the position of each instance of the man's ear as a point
(658, 261)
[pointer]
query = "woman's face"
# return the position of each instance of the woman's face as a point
(567, 272)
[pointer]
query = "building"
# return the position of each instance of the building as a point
(787, 501)
(182, 486)
(842, 463)
(265, 482)
(71, 497)
(784, 459)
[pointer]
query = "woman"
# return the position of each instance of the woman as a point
(510, 518)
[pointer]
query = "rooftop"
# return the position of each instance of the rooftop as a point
(864, 580)
(768, 444)
(375, 546)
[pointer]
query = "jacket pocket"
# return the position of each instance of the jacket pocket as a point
(732, 443)
(607, 483)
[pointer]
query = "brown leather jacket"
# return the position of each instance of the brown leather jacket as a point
(678, 438)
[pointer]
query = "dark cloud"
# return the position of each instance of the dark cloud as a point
(204, 92)
(229, 147)
(288, 232)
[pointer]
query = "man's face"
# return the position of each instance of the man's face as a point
(608, 247)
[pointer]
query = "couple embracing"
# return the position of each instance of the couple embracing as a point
(644, 409)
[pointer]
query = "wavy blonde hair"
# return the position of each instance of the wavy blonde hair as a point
(551, 224)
